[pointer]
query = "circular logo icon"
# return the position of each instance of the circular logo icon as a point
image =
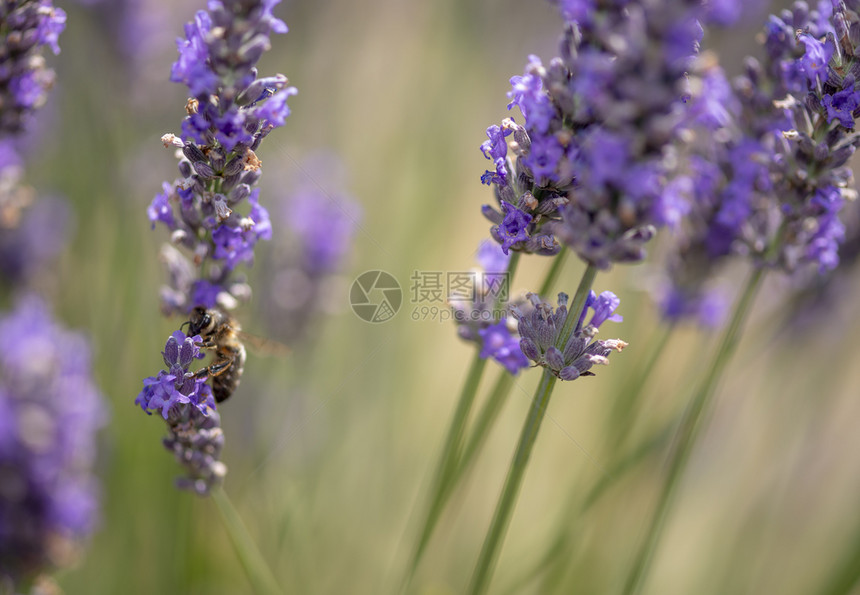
(375, 296)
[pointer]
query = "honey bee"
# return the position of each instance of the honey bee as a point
(219, 331)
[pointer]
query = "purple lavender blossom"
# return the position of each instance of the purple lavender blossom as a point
(619, 79)
(186, 403)
(524, 208)
(230, 112)
(50, 410)
(540, 328)
(499, 343)
(176, 385)
(305, 264)
(798, 108)
(484, 319)
(24, 78)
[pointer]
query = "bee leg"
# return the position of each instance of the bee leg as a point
(205, 344)
(215, 369)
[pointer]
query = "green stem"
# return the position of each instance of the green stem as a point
(553, 273)
(575, 309)
(448, 460)
(493, 406)
(259, 575)
(627, 404)
(686, 435)
(446, 469)
(504, 509)
(480, 429)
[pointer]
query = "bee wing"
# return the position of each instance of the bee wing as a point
(262, 346)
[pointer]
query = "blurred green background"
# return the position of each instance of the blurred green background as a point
(330, 450)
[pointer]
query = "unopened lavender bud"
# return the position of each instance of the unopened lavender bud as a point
(569, 373)
(240, 192)
(185, 169)
(194, 154)
(554, 358)
(217, 160)
(260, 87)
(234, 167)
(204, 170)
(251, 51)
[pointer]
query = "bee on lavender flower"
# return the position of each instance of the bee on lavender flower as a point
(219, 331)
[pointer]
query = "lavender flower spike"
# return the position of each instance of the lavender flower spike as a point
(597, 156)
(26, 28)
(187, 405)
(214, 211)
(50, 410)
(540, 328)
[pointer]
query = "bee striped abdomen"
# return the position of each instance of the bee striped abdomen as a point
(225, 383)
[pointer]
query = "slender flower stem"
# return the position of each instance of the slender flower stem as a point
(259, 574)
(687, 432)
(553, 273)
(516, 472)
(499, 394)
(504, 508)
(446, 469)
(627, 402)
(448, 460)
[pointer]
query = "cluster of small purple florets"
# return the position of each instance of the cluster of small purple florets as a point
(597, 163)
(810, 74)
(304, 265)
(540, 329)
(26, 27)
(50, 410)
(230, 111)
(485, 320)
(186, 403)
(768, 170)
(31, 231)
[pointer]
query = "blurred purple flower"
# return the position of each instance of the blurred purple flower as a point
(50, 410)
(498, 342)
(24, 78)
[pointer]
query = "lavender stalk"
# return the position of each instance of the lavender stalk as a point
(687, 432)
(504, 509)
(797, 117)
(215, 220)
(446, 469)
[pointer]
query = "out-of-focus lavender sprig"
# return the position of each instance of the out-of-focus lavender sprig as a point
(768, 169)
(50, 411)
(540, 328)
(186, 403)
(230, 111)
(602, 124)
(800, 104)
(26, 28)
(32, 232)
(305, 264)
(484, 320)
